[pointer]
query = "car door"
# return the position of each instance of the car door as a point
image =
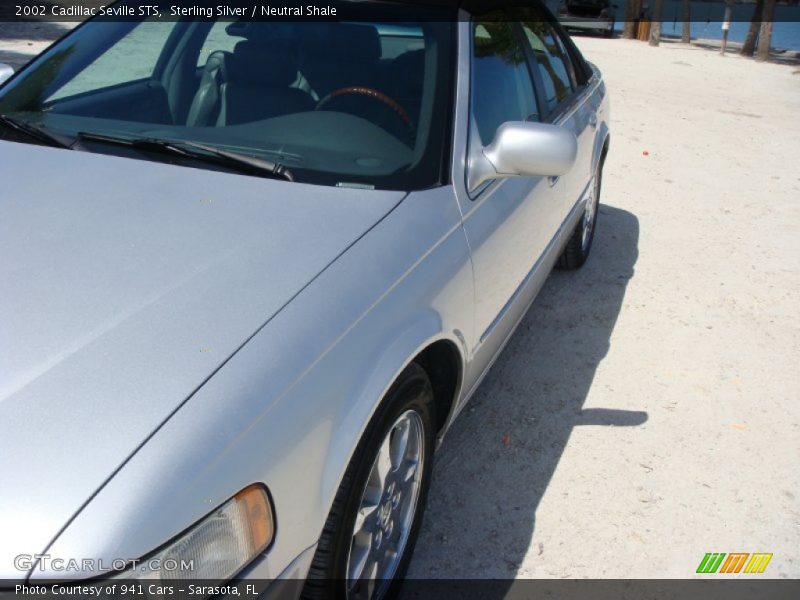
(508, 222)
(119, 78)
(562, 88)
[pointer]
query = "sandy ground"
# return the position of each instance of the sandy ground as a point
(650, 401)
(646, 411)
(19, 42)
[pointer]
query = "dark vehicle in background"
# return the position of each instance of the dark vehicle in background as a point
(588, 15)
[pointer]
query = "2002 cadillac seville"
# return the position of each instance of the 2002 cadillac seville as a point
(252, 271)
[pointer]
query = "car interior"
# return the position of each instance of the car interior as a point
(275, 70)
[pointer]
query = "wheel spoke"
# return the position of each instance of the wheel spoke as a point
(383, 463)
(399, 442)
(366, 510)
(410, 470)
(589, 216)
(359, 554)
(368, 581)
(385, 564)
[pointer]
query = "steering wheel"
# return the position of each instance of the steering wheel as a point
(371, 93)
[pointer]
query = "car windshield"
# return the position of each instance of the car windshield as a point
(362, 103)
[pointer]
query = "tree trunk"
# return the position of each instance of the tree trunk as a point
(655, 27)
(765, 35)
(749, 45)
(687, 22)
(631, 17)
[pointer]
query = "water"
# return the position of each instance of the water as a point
(707, 21)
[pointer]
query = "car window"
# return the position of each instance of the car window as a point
(552, 61)
(502, 89)
(399, 39)
(131, 59)
(567, 60)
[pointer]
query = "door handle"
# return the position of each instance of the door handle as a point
(593, 120)
(553, 180)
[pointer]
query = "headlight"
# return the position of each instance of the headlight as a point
(215, 548)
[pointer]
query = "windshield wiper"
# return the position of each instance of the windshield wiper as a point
(36, 131)
(196, 151)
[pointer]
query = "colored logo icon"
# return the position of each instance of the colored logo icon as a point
(736, 562)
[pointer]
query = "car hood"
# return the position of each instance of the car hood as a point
(125, 285)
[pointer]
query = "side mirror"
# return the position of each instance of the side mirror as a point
(524, 149)
(6, 71)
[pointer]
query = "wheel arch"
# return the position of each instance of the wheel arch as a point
(601, 146)
(444, 366)
(422, 340)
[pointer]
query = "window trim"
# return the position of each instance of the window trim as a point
(570, 66)
(579, 62)
(515, 32)
(583, 71)
(564, 105)
(533, 73)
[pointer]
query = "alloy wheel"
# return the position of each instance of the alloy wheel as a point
(590, 215)
(386, 511)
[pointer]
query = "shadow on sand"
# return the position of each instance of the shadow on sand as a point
(15, 36)
(15, 59)
(501, 453)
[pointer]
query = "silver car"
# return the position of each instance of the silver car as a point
(252, 271)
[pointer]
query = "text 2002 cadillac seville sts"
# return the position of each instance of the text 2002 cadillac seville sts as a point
(251, 272)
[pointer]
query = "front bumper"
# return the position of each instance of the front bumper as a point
(287, 585)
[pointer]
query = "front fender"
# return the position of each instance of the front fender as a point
(378, 376)
(603, 120)
(289, 408)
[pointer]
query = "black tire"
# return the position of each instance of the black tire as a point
(576, 251)
(327, 578)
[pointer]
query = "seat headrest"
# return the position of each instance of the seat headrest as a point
(262, 30)
(262, 64)
(342, 42)
(357, 42)
(407, 70)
